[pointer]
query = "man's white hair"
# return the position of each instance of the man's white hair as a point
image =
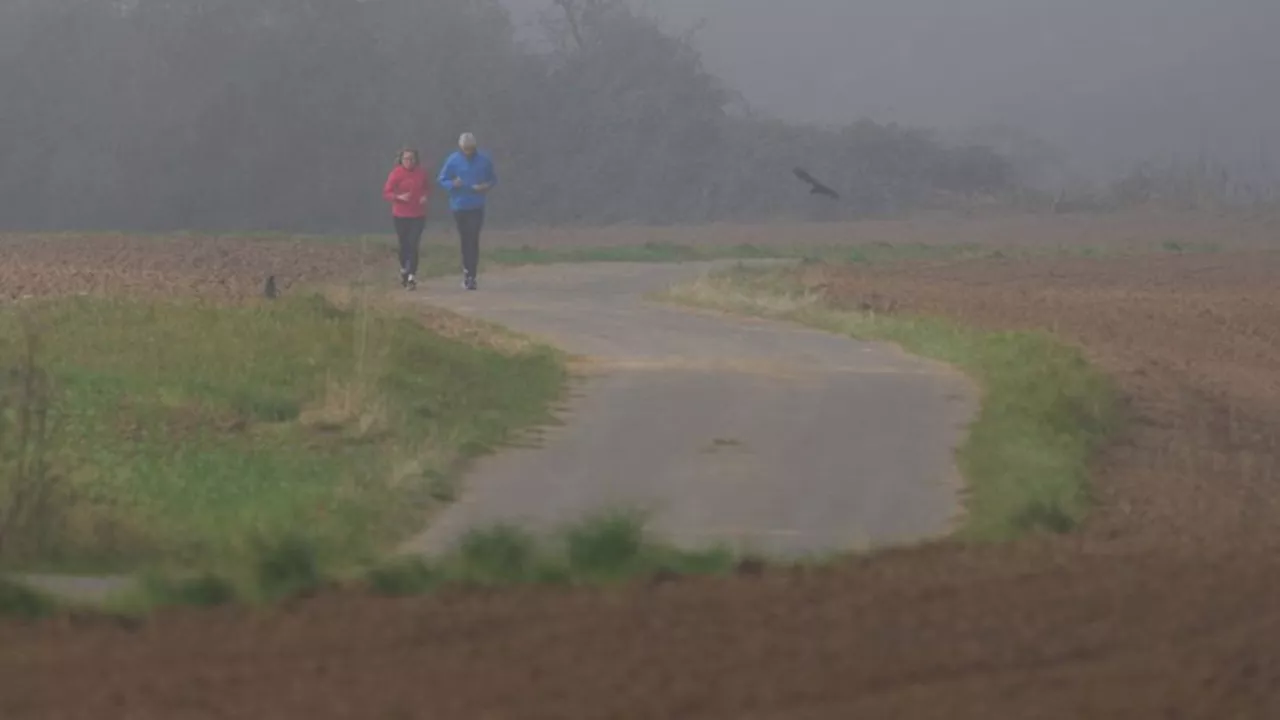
(467, 140)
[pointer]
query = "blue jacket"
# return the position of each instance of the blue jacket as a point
(478, 169)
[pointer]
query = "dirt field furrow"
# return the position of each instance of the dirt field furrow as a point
(1163, 605)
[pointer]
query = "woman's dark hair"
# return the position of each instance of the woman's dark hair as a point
(417, 160)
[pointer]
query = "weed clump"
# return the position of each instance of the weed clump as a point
(287, 568)
(501, 555)
(606, 547)
(206, 589)
(404, 576)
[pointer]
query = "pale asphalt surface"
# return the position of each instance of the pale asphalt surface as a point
(763, 436)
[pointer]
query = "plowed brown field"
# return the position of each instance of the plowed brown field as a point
(1165, 605)
(208, 266)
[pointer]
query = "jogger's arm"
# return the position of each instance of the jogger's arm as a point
(446, 174)
(389, 188)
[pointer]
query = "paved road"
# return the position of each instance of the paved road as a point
(761, 435)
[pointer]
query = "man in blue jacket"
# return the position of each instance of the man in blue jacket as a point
(468, 176)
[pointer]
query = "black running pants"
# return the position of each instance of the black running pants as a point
(409, 231)
(469, 223)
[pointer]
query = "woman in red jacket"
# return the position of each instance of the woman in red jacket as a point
(407, 189)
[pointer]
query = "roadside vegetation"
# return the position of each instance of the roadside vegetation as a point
(609, 548)
(180, 433)
(1045, 411)
(660, 252)
(440, 262)
(24, 603)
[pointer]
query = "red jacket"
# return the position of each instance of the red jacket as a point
(413, 183)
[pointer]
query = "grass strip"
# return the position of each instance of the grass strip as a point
(608, 548)
(1045, 411)
(139, 432)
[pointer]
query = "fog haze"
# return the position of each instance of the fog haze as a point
(164, 114)
(1110, 82)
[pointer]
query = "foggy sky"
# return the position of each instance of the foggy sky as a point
(1111, 82)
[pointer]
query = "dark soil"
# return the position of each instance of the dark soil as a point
(1165, 605)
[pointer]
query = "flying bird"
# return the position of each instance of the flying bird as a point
(816, 188)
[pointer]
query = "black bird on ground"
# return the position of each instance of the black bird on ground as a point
(270, 289)
(816, 188)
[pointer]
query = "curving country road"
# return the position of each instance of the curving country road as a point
(759, 435)
(763, 436)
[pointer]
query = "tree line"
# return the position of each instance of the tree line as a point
(230, 115)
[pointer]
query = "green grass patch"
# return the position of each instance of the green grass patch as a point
(605, 549)
(648, 252)
(851, 253)
(1045, 411)
(843, 253)
(23, 603)
(611, 547)
(438, 261)
(205, 589)
(442, 261)
(287, 568)
(659, 252)
(405, 576)
(185, 434)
